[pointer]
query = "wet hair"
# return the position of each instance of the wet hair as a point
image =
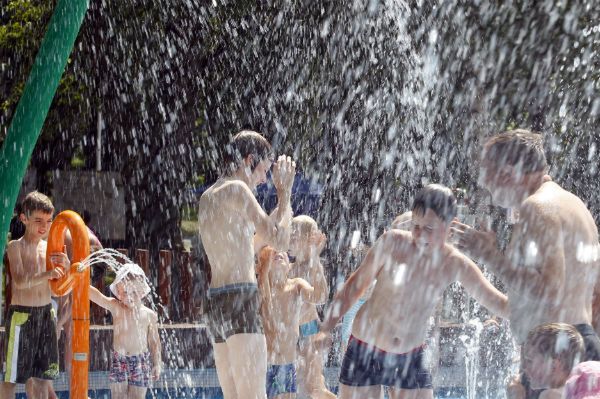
(265, 256)
(558, 341)
(439, 199)
(242, 145)
(36, 201)
(519, 148)
(305, 225)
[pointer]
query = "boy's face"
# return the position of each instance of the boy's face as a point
(280, 267)
(298, 242)
(37, 223)
(258, 176)
(130, 291)
(540, 369)
(504, 183)
(428, 229)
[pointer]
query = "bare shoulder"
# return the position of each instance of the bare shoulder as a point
(396, 237)
(234, 188)
(151, 314)
(454, 258)
(539, 208)
(13, 246)
(396, 242)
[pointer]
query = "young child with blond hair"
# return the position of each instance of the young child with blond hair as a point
(306, 244)
(136, 354)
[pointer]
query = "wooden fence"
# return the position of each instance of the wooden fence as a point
(174, 279)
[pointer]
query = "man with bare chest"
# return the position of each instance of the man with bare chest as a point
(551, 265)
(232, 225)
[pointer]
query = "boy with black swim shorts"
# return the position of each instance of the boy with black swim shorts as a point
(412, 269)
(30, 345)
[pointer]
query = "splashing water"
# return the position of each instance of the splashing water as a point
(106, 256)
(471, 343)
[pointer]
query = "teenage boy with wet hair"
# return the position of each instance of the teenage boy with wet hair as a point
(412, 270)
(551, 264)
(232, 226)
(31, 348)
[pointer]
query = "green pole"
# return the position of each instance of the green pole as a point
(35, 102)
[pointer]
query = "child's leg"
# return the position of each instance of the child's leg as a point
(226, 381)
(369, 392)
(68, 329)
(38, 388)
(136, 392)
(118, 390)
(249, 365)
(7, 390)
(411, 393)
(52, 393)
(286, 396)
(313, 379)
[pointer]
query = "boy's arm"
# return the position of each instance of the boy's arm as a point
(155, 346)
(320, 290)
(479, 287)
(358, 283)
(536, 243)
(316, 274)
(305, 290)
(21, 279)
(274, 230)
(100, 299)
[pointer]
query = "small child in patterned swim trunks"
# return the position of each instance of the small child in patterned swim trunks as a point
(136, 356)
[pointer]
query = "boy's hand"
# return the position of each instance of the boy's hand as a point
(284, 171)
(56, 273)
(516, 390)
(156, 371)
(322, 341)
(479, 245)
(318, 241)
(60, 258)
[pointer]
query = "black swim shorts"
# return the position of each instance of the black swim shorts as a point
(234, 309)
(30, 347)
(367, 365)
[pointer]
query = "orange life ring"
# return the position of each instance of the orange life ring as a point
(56, 241)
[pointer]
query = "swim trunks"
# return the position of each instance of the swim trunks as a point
(31, 347)
(281, 378)
(234, 309)
(592, 352)
(366, 365)
(308, 329)
(136, 370)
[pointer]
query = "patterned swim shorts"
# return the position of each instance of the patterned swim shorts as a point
(135, 369)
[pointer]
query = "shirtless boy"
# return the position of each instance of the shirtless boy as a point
(282, 299)
(412, 270)
(231, 225)
(306, 244)
(136, 356)
(551, 263)
(31, 350)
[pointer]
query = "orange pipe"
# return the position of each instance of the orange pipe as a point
(79, 283)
